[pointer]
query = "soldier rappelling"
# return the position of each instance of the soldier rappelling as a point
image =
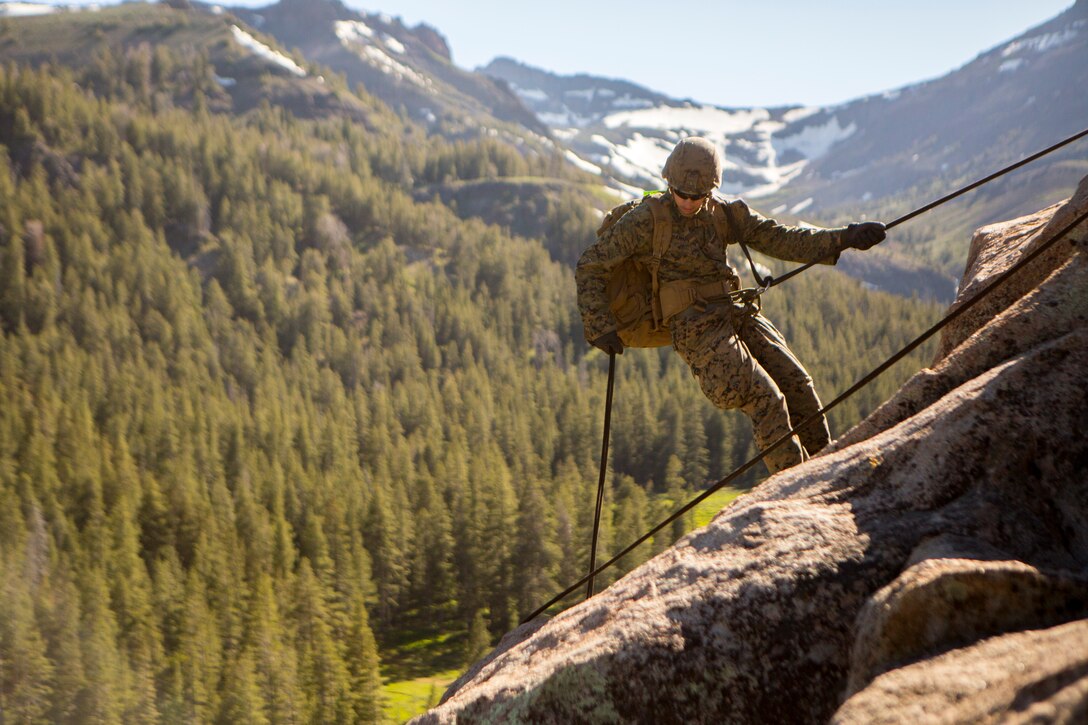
(677, 241)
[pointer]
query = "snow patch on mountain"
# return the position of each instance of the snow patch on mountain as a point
(1042, 43)
(801, 206)
(694, 119)
(565, 119)
(800, 113)
(23, 10)
(587, 94)
(755, 182)
(393, 44)
(360, 38)
(635, 159)
(582, 163)
(532, 94)
(263, 51)
(384, 62)
(629, 101)
(814, 141)
(558, 113)
(353, 31)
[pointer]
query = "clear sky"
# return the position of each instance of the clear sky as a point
(727, 52)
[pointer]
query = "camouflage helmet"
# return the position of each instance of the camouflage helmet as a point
(694, 166)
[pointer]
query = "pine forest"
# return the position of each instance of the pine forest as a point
(270, 415)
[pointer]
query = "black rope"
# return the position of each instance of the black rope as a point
(774, 281)
(604, 468)
(763, 283)
(914, 344)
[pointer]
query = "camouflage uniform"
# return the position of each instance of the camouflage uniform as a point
(739, 358)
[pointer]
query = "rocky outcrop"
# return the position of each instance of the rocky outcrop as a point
(932, 565)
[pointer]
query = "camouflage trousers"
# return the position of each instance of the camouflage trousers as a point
(742, 362)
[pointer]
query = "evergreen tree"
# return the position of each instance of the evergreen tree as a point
(58, 614)
(25, 668)
(433, 547)
(275, 659)
(389, 565)
(478, 643)
(324, 679)
(242, 702)
(104, 697)
(13, 282)
(361, 653)
(536, 553)
(632, 519)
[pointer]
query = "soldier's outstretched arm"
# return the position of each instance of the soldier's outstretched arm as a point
(801, 244)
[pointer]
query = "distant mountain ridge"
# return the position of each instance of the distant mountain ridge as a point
(571, 101)
(242, 69)
(949, 122)
(407, 67)
(876, 157)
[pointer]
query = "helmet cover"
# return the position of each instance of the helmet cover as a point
(694, 166)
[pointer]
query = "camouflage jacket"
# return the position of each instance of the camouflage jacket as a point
(694, 253)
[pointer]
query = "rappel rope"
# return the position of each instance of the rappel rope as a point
(604, 470)
(876, 372)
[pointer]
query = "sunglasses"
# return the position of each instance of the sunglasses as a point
(689, 197)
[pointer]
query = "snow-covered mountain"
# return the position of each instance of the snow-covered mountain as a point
(1010, 100)
(877, 157)
(625, 131)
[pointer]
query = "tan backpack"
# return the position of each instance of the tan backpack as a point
(635, 297)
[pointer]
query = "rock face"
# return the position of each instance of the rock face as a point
(932, 565)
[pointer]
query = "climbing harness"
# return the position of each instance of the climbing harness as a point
(604, 468)
(765, 284)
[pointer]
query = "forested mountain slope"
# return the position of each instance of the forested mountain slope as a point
(264, 409)
(410, 68)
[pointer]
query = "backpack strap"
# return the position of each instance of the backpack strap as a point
(662, 226)
(723, 221)
(661, 240)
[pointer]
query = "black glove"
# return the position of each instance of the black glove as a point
(864, 235)
(610, 342)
